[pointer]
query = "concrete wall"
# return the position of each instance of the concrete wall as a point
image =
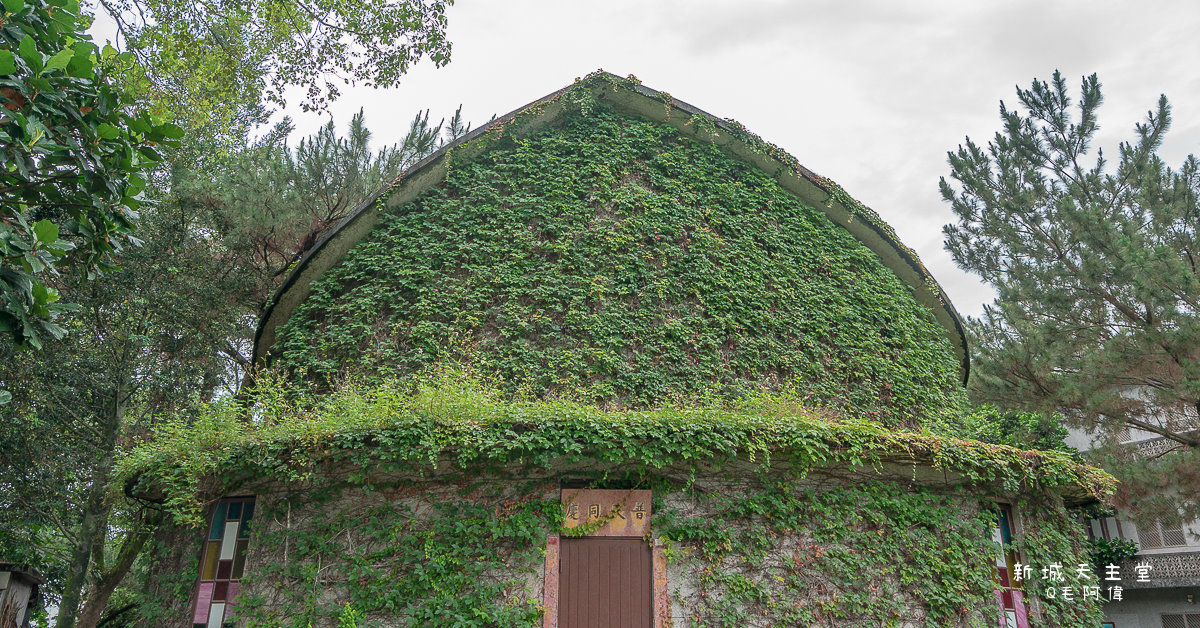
(1145, 608)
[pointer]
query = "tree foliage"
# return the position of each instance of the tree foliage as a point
(73, 152)
(1023, 430)
(271, 202)
(221, 66)
(166, 326)
(162, 333)
(1097, 269)
(141, 346)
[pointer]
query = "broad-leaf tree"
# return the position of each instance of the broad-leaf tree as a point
(72, 152)
(221, 66)
(141, 346)
(1096, 263)
(165, 331)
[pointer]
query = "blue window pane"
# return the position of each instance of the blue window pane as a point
(235, 510)
(244, 531)
(1005, 529)
(218, 523)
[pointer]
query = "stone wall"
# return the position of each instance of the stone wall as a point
(743, 548)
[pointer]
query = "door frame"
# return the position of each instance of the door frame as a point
(658, 579)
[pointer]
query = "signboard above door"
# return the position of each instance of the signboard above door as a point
(610, 512)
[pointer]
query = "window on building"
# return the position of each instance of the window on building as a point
(222, 561)
(1107, 528)
(1008, 582)
(1156, 535)
(1181, 620)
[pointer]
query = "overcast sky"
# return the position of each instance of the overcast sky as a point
(870, 94)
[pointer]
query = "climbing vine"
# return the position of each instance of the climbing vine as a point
(782, 556)
(356, 522)
(616, 261)
(463, 562)
(645, 310)
(452, 418)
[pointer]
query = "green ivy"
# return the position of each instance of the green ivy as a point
(614, 261)
(870, 550)
(784, 556)
(453, 419)
(1104, 552)
(1046, 543)
(384, 561)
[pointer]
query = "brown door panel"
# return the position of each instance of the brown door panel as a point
(605, 583)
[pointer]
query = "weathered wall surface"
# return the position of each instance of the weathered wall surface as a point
(174, 566)
(743, 549)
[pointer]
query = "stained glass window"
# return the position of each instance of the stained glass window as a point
(1008, 582)
(222, 560)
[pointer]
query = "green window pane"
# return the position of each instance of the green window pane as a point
(239, 560)
(218, 523)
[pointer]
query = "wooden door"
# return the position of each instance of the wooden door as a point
(605, 583)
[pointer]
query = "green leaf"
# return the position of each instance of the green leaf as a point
(59, 60)
(81, 65)
(45, 231)
(32, 263)
(29, 52)
(171, 131)
(5, 396)
(14, 6)
(136, 184)
(41, 295)
(55, 330)
(8, 62)
(107, 131)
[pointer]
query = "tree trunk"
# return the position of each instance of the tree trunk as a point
(90, 532)
(94, 519)
(103, 589)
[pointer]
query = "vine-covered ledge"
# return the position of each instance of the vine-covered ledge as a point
(445, 422)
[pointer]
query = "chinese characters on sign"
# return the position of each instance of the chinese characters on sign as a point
(1053, 576)
(616, 512)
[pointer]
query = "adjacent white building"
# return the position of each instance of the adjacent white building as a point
(1168, 594)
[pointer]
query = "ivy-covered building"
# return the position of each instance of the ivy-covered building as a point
(610, 361)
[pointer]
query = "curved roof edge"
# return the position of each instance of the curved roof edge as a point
(630, 96)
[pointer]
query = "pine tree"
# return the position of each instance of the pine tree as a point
(270, 203)
(1097, 270)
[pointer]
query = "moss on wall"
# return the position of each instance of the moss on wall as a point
(613, 261)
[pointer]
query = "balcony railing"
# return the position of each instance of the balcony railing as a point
(1179, 569)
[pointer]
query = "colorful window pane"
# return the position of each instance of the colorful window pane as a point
(1008, 580)
(222, 561)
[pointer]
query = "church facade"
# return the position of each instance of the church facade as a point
(610, 361)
